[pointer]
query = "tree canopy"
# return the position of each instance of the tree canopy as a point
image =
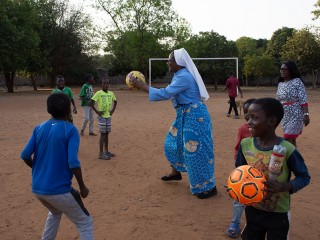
(212, 45)
(277, 41)
(303, 48)
(44, 37)
(53, 37)
(140, 30)
(316, 12)
(19, 40)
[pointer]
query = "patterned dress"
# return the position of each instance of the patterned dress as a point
(292, 95)
(189, 143)
(189, 146)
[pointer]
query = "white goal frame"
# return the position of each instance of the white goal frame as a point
(166, 59)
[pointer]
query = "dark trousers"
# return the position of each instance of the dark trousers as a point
(233, 105)
(261, 223)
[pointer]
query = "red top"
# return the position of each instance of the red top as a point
(232, 84)
(243, 132)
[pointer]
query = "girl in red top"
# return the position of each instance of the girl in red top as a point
(237, 209)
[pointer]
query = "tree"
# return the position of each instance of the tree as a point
(125, 48)
(246, 46)
(259, 67)
(142, 21)
(212, 45)
(38, 63)
(68, 55)
(277, 41)
(316, 12)
(19, 40)
(262, 44)
(64, 46)
(43, 37)
(304, 49)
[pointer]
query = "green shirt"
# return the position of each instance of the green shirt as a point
(259, 158)
(105, 101)
(86, 94)
(65, 90)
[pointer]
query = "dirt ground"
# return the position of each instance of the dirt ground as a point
(127, 198)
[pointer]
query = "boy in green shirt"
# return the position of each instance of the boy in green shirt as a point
(60, 87)
(85, 95)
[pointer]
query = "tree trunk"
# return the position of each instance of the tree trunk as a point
(34, 80)
(246, 82)
(9, 76)
(314, 78)
(258, 81)
(52, 80)
(216, 82)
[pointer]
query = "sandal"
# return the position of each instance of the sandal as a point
(170, 177)
(233, 230)
(207, 194)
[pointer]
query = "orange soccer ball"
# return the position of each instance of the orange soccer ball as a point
(135, 74)
(245, 185)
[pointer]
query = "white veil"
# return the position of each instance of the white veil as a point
(183, 59)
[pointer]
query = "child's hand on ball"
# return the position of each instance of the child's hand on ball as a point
(274, 186)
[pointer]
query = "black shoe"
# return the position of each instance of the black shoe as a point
(207, 194)
(109, 154)
(170, 177)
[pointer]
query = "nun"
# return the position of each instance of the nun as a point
(188, 146)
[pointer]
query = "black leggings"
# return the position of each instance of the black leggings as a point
(233, 105)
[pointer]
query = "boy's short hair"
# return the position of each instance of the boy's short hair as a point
(59, 77)
(272, 107)
(58, 105)
(249, 101)
(105, 79)
(87, 77)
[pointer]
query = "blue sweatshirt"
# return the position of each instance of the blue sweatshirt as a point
(54, 145)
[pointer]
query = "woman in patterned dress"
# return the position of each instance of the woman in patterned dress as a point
(292, 94)
(189, 143)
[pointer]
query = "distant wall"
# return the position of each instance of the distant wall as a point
(273, 81)
(24, 81)
(45, 81)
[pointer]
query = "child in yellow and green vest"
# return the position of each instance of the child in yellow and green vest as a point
(270, 217)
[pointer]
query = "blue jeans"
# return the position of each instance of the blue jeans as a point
(237, 210)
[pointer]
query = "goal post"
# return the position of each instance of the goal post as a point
(222, 58)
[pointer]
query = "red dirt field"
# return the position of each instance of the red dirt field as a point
(127, 199)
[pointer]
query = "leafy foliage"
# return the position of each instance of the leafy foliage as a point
(129, 53)
(316, 12)
(142, 29)
(259, 67)
(212, 45)
(277, 41)
(246, 46)
(19, 40)
(304, 49)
